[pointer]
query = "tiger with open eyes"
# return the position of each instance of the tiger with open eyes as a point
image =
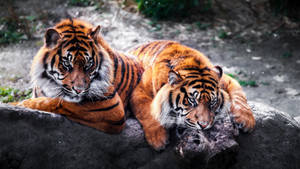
(181, 86)
(77, 74)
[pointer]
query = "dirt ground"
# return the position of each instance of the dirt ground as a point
(270, 59)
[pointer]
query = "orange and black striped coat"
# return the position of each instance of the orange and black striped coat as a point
(181, 86)
(77, 74)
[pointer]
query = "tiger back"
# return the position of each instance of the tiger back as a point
(77, 74)
(180, 86)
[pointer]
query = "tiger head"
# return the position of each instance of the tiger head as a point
(190, 100)
(72, 64)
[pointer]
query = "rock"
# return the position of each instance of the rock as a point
(209, 147)
(31, 139)
(275, 143)
(297, 119)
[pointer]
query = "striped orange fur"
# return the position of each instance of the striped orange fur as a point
(180, 86)
(77, 74)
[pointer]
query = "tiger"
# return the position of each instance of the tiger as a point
(77, 74)
(181, 87)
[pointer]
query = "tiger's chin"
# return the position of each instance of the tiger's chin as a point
(74, 99)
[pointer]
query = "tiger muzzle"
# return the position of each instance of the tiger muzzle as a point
(201, 117)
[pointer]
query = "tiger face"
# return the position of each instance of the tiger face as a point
(190, 100)
(72, 65)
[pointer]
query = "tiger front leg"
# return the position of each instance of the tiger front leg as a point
(242, 112)
(155, 134)
(44, 104)
(240, 109)
(105, 115)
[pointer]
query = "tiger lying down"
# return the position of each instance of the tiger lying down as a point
(181, 87)
(78, 75)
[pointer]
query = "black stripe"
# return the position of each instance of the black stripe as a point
(214, 80)
(140, 72)
(93, 52)
(170, 99)
(67, 36)
(222, 101)
(196, 69)
(83, 36)
(127, 77)
(204, 91)
(65, 25)
(43, 93)
(72, 41)
(45, 60)
(187, 77)
(177, 100)
(78, 48)
(91, 44)
(188, 123)
(143, 48)
(208, 87)
(117, 123)
(106, 108)
(202, 81)
(197, 86)
(172, 113)
(132, 80)
(153, 48)
(101, 59)
(205, 74)
(116, 67)
(122, 74)
(194, 73)
(67, 31)
(182, 89)
(84, 43)
(52, 62)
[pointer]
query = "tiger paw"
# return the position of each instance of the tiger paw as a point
(13, 103)
(157, 137)
(243, 117)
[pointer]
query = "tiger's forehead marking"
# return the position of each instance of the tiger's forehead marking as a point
(76, 40)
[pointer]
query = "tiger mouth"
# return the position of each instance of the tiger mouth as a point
(73, 97)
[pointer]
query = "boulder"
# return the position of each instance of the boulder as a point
(274, 144)
(32, 139)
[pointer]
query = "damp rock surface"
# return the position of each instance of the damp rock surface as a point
(31, 139)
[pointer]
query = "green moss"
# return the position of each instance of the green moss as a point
(8, 94)
(250, 83)
(9, 32)
(202, 26)
(287, 54)
(163, 9)
(80, 2)
(223, 34)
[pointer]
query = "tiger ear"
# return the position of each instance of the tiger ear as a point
(219, 71)
(95, 32)
(51, 38)
(174, 78)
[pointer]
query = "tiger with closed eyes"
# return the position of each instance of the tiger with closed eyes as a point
(180, 86)
(77, 74)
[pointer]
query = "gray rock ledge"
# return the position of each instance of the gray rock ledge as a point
(31, 139)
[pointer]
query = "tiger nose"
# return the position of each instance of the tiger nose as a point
(78, 90)
(203, 125)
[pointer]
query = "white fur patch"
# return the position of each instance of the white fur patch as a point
(53, 88)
